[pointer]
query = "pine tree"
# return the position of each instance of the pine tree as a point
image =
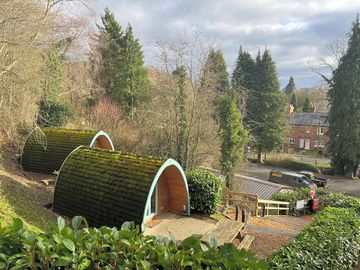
(266, 106)
(180, 103)
(307, 105)
(122, 73)
(242, 78)
(293, 101)
(234, 136)
(344, 115)
(214, 73)
(290, 87)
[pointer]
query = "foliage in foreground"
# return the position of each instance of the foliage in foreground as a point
(291, 163)
(205, 191)
(76, 246)
(326, 197)
(332, 241)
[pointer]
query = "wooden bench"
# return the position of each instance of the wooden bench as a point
(246, 242)
(224, 231)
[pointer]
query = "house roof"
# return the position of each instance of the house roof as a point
(264, 189)
(45, 149)
(107, 187)
(309, 119)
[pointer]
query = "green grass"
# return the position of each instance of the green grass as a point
(24, 199)
(291, 163)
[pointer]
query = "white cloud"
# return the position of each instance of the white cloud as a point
(296, 31)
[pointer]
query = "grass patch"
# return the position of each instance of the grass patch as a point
(24, 200)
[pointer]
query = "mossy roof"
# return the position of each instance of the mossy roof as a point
(107, 187)
(45, 154)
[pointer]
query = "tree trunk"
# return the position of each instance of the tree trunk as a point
(349, 169)
(259, 158)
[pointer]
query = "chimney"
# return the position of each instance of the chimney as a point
(290, 109)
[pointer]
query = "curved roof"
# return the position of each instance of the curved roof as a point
(108, 187)
(45, 149)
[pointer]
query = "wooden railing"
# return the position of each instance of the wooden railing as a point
(235, 198)
(269, 207)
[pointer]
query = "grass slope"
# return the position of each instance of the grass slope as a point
(23, 198)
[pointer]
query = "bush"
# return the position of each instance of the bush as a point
(326, 197)
(80, 247)
(53, 113)
(291, 163)
(205, 191)
(331, 241)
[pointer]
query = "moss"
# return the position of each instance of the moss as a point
(107, 187)
(48, 157)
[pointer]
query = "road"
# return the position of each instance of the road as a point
(337, 183)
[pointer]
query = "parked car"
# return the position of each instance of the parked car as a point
(320, 181)
(291, 179)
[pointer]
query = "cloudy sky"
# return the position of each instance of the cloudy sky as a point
(297, 32)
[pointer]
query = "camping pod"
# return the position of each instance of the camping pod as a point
(111, 187)
(46, 149)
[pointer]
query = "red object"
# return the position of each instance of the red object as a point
(315, 205)
(312, 193)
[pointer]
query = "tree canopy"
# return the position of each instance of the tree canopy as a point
(290, 87)
(344, 115)
(307, 105)
(122, 73)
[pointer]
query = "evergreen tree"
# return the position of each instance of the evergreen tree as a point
(307, 105)
(290, 87)
(266, 106)
(214, 73)
(344, 115)
(122, 73)
(242, 78)
(234, 136)
(293, 101)
(180, 103)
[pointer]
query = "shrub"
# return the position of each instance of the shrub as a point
(291, 163)
(53, 113)
(326, 197)
(80, 247)
(331, 241)
(205, 191)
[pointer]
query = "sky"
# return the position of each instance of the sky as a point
(297, 32)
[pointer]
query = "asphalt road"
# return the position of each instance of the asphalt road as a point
(337, 183)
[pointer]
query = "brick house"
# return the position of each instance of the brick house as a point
(308, 131)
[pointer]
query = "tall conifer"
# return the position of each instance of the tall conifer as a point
(344, 115)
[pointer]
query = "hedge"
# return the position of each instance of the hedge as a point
(80, 247)
(205, 191)
(291, 164)
(331, 241)
(326, 197)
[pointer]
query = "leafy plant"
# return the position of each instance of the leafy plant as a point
(205, 191)
(332, 241)
(77, 246)
(54, 113)
(326, 197)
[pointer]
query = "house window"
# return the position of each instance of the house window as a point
(292, 128)
(302, 129)
(292, 140)
(307, 129)
(320, 131)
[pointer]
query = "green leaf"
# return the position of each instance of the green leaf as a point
(61, 223)
(145, 264)
(76, 222)
(69, 244)
(17, 224)
(84, 264)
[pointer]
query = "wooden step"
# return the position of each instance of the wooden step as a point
(246, 242)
